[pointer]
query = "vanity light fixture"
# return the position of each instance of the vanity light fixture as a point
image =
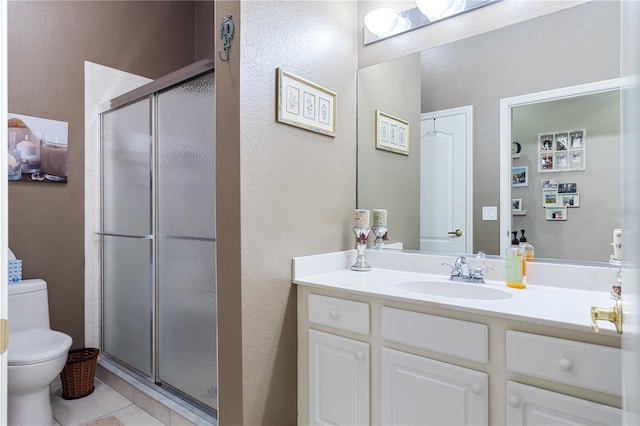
(386, 22)
(439, 9)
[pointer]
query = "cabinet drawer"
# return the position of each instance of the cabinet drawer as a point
(575, 363)
(464, 339)
(339, 313)
(527, 405)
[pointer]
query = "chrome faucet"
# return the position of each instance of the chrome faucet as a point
(461, 271)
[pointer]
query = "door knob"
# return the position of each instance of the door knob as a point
(613, 315)
(456, 233)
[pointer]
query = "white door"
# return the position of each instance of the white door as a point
(3, 209)
(422, 391)
(338, 380)
(446, 180)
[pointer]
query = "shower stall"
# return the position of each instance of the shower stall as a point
(158, 234)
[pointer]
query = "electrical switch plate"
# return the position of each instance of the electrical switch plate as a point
(489, 213)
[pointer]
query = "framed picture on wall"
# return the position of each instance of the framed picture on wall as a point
(562, 151)
(303, 104)
(392, 133)
(555, 213)
(516, 204)
(570, 200)
(550, 198)
(520, 176)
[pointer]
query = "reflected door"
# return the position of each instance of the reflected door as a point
(445, 181)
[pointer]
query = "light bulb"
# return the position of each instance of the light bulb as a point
(382, 22)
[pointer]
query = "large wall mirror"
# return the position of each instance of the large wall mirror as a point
(571, 47)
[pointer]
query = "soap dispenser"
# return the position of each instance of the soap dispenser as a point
(528, 248)
(515, 263)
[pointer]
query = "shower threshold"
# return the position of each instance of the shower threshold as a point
(162, 404)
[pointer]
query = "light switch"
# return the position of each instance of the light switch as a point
(489, 213)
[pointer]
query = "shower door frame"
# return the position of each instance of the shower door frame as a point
(151, 91)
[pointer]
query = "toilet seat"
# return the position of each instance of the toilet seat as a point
(36, 345)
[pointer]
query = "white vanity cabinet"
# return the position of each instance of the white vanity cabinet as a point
(583, 365)
(338, 367)
(338, 380)
(420, 390)
(370, 359)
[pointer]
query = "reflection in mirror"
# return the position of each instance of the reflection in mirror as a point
(570, 193)
(541, 54)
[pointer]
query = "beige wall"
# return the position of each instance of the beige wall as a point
(298, 187)
(48, 44)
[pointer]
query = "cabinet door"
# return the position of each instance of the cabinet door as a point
(421, 391)
(527, 405)
(338, 380)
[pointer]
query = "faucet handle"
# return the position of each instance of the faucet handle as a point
(478, 273)
(455, 270)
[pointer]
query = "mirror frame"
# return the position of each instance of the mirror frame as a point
(506, 104)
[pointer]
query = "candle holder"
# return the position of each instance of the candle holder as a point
(362, 234)
(381, 234)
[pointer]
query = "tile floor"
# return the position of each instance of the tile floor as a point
(104, 403)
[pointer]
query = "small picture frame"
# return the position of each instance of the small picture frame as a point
(392, 133)
(301, 103)
(548, 184)
(555, 213)
(570, 200)
(567, 188)
(520, 176)
(550, 198)
(516, 204)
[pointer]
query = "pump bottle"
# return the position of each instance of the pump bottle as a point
(515, 263)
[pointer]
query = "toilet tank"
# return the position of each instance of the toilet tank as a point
(28, 305)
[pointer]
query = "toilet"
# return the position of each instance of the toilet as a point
(36, 354)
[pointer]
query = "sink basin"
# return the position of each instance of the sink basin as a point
(455, 289)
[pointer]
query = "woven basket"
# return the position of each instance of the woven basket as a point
(79, 373)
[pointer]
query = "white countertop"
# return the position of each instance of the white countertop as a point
(542, 304)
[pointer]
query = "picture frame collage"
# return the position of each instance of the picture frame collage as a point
(562, 151)
(557, 198)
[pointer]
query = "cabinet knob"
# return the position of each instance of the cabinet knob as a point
(333, 314)
(476, 389)
(565, 365)
(359, 356)
(514, 401)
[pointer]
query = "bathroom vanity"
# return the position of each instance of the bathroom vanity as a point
(401, 344)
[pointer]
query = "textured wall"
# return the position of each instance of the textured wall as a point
(298, 187)
(48, 44)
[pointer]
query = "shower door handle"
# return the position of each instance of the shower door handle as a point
(113, 234)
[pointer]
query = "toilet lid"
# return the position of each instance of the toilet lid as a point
(36, 345)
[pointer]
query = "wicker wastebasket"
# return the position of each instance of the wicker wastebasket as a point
(79, 373)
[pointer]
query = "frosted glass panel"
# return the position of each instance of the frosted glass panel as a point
(186, 174)
(127, 301)
(127, 169)
(187, 321)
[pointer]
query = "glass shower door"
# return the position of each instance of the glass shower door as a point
(187, 342)
(127, 242)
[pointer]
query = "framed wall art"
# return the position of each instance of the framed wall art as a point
(520, 176)
(392, 133)
(562, 151)
(303, 104)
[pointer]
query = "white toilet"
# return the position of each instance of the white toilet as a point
(36, 354)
